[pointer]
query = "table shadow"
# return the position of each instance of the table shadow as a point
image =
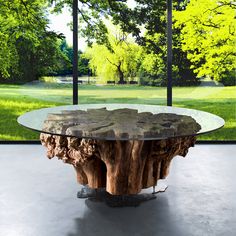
(151, 218)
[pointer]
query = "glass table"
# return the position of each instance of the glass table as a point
(123, 148)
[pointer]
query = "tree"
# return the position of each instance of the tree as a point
(27, 48)
(151, 17)
(153, 69)
(65, 65)
(119, 61)
(148, 15)
(91, 16)
(208, 37)
(17, 20)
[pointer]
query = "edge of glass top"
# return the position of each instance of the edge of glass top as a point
(209, 122)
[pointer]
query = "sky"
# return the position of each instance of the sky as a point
(59, 23)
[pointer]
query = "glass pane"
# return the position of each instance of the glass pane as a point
(204, 58)
(29, 54)
(131, 67)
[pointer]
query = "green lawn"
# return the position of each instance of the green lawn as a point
(17, 99)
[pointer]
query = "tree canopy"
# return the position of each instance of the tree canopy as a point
(203, 40)
(208, 36)
(91, 16)
(119, 61)
(27, 48)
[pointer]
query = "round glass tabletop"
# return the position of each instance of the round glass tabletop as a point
(121, 121)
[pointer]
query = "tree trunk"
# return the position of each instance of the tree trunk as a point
(121, 75)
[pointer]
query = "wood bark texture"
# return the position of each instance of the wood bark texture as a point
(121, 166)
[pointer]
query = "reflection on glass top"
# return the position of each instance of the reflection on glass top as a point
(120, 121)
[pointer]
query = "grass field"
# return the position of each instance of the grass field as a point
(17, 99)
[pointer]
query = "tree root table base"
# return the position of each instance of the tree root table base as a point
(119, 167)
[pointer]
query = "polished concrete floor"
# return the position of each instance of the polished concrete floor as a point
(38, 198)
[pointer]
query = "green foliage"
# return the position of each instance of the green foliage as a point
(35, 61)
(152, 71)
(148, 15)
(203, 40)
(91, 16)
(119, 61)
(27, 49)
(65, 66)
(18, 19)
(208, 37)
(151, 15)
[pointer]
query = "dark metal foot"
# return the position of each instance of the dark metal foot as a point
(100, 195)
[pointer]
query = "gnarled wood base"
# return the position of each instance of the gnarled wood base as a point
(122, 167)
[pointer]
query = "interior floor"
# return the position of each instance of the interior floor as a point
(38, 198)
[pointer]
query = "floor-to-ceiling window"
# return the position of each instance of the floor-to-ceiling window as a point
(204, 61)
(36, 58)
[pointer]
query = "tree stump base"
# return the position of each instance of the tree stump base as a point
(121, 167)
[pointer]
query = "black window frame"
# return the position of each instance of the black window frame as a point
(75, 72)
